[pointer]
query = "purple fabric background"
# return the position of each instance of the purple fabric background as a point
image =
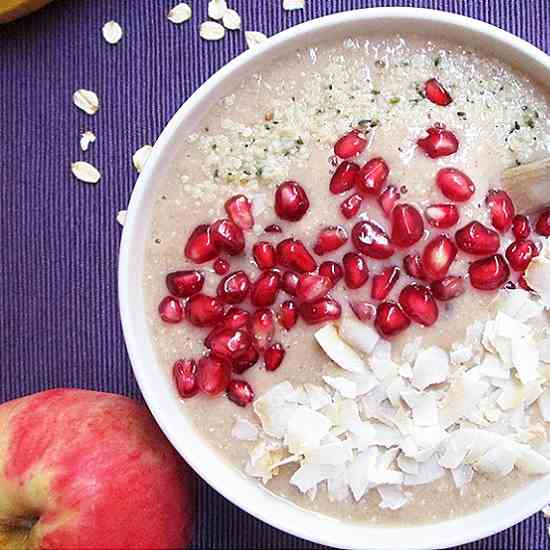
(59, 320)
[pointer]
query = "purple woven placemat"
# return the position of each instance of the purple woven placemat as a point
(59, 319)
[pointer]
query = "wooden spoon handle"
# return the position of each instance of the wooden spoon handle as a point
(528, 185)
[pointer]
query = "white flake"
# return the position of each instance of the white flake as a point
(254, 38)
(274, 409)
(407, 465)
(544, 350)
(431, 367)
(217, 9)
(87, 101)
(461, 355)
(359, 336)
(180, 13)
(344, 386)
(85, 172)
(290, 5)
(544, 405)
(525, 358)
(121, 217)
(537, 276)
(337, 489)
(231, 20)
(244, 430)
(141, 156)
(85, 139)
(462, 475)
(493, 367)
(461, 399)
(392, 497)
(496, 462)
(305, 429)
(112, 32)
(309, 475)
(340, 352)
(427, 472)
(333, 454)
(317, 396)
(423, 406)
(210, 30)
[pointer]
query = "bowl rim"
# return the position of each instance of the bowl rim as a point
(327, 530)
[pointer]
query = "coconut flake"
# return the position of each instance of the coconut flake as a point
(407, 465)
(85, 139)
(406, 371)
(344, 386)
(317, 396)
(342, 354)
(337, 489)
(359, 336)
(462, 476)
(493, 367)
(392, 497)
(423, 406)
(231, 20)
(411, 349)
(121, 217)
(333, 454)
(141, 156)
(274, 409)
(537, 276)
(244, 430)
(254, 38)
(217, 9)
(544, 405)
(461, 399)
(305, 429)
(525, 358)
(461, 354)
(210, 30)
(290, 5)
(112, 32)
(87, 101)
(85, 172)
(431, 367)
(357, 473)
(309, 475)
(180, 13)
(496, 462)
(427, 472)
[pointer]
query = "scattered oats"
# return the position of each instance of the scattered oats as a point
(290, 5)
(141, 156)
(87, 101)
(84, 171)
(210, 30)
(85, 139)
(254, 38)
(180, 13)
(231, 20)
(112, 32)
(121, 217)
(217, 9)
(546, 511)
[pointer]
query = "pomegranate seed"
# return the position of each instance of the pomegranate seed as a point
(343, 178)
(350, 145)
(311, 287)
(436, 93)
(234, 288)
(291, 202)
(227, 236)
(325, 309)
(200, 246)
(364, 311)
(388, 199)
(412, 264)
(184, 372)
(227, 342)
(520, 253)
(356, 271)
(184, 283)
(489, 273)
(247, 360)
(332, 270)
(419, 304)
(273, 357)
(288, 314)
(448, 288)
(235, 318)
(383, 282)
(438, 143)
(351, 205)
(502, 210)
(372, 177)
(240, 392)
(294, 255)
(370, 239)
(454, 184)
(170, 310)
(407, 225)
(204, 311)
(239, 209)
(221, 266)
(262, 327)
(265, 288)
(264, 255)
(477, 239)
(438, 256)
(331, 238)
(290, 282)
(442, 216)
(273, 228)
(390, 319)
(213, 374)
(523, 283)
(542, 227)
(520, 227)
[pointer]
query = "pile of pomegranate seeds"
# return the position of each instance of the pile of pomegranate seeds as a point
(242, 320)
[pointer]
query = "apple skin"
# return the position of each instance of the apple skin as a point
(89, 470)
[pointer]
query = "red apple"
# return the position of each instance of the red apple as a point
(82, 469)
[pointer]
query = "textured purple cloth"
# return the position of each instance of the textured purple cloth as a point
(59, 318)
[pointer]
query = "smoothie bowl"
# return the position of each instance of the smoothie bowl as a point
(332, 308)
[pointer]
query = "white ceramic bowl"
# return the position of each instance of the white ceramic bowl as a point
(246, 493)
